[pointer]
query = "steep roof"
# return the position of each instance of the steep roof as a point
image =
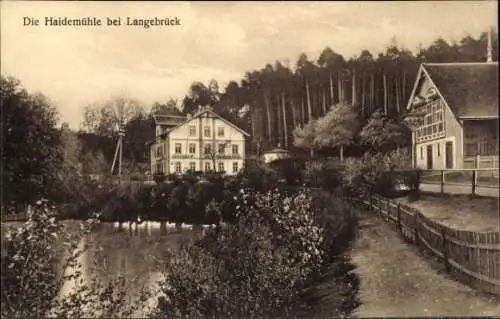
(470, 89)
(170, 119)
(212, 114)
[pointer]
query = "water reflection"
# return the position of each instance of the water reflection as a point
(138, 252)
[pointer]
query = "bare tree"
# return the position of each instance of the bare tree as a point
(212, 152)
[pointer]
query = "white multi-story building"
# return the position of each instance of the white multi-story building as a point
(203, 142)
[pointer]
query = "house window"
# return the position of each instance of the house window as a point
(220, 131)
(206, 131)
(222, 148)
(208, 149)
(192, 130)
(433, 126)
(207, 167)
(192, 148)
(235, 167)
(421, 152)
(178, 148)
(235, 149)
(192, 166)
(221, 167)
(177, 167)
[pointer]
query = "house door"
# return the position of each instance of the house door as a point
(449, 154)
(429, 156)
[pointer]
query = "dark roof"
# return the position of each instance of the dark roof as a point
(470, 89)
(168, 119)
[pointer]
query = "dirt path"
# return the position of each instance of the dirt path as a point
(396, 281)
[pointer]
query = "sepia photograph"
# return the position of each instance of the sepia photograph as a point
(249, 159)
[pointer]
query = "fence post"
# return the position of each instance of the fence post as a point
(474, 182)
(398, 212)
(415, 222)
(445, 250)
(442, 182)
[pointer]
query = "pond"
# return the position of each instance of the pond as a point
(139, 253)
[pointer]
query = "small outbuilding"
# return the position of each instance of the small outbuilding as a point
(275, 154)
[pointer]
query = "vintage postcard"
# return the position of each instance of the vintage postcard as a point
(248, 159)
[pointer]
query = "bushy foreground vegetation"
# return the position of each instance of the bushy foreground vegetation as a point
(280, 229)
(262, 264)
(271, 245)
(35, 257)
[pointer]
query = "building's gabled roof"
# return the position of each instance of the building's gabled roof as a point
(170, 119)
(469, 89)
(211, 113)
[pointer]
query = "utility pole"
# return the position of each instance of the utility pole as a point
(489, 57)
(119, 153)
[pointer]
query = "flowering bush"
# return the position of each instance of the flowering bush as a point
(34, 257)
(371, 173)
(253, 267)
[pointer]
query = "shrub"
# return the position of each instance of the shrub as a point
(378, 173)
(159, 178)
(252, 268)
(320, 174)
(34, 257)
(289, 169)
(259, 177)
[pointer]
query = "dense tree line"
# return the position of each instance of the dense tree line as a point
(279, 98)
(282, 97)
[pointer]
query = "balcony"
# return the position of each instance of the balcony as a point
(182, 156)
(224, 156)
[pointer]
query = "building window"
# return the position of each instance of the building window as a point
(192, 130)
(206, 131)
(222, 148)
(221, 167)
(433, 126)
(235, 149)
(439, 149)
(207, 167)
(220, 131)
(177, 167)
(192, 166)
(192, 148)
(158, 169)
(208, 149)
(178, 148)
(235, 167)
(421, 152)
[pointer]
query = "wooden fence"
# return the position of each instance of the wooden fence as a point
(472, 178)
(473, 255)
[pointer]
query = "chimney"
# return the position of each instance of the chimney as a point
(489, 56)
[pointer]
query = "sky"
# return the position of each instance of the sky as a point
(75, 66)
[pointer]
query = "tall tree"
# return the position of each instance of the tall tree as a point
(307, 71)
(31, 145)
(337, 128)
(304, 137)
(382, 133)
(333, 63)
